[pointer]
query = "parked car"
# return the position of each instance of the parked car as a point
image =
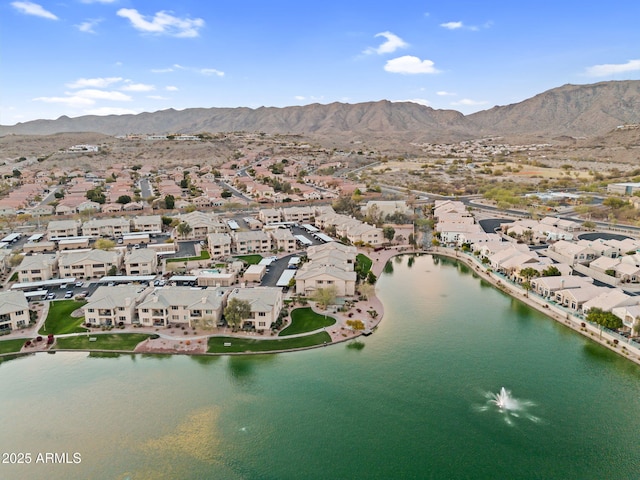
(79, 284)
(51, 296)
(63, 286)
(68, 294)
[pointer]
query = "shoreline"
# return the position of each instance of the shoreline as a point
(339, 333)
(581, 326)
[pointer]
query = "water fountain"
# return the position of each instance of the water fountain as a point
(504, 401)
(507, 406)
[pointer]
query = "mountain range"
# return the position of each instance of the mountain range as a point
(573, 110)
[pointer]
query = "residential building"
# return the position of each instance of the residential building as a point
(251, 242)
(283, 240)
(112, 305)
(219, 245)
(182, 306)
(265, 302)
(62, 229)
(106, 227)
(36, 268)
(88, 263)
(14, 311)
(147, 223)
(141, 261)
(310, 278)
(269, 215)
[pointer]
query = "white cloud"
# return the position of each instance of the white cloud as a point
(613, 68)
(452, 25)
(443, 93)
(111, 111)
(311, 98)
(162, 70)
(467, 102)
(71, 101)
(171, 88)
(162, 23)
(138, 87)
(102, 95)
(419, 101)
(88, 26)
(211, 71)
(30, 8)
(409, 64)
(94, 82)
(392, 43)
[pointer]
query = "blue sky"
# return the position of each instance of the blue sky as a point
(79, 57)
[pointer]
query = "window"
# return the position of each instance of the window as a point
(262, 324)
(91, 310)
(145, 310)
(174, 307)
(175, 317)
(262, 314)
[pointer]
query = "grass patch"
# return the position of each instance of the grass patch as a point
(204, 255)
(306, 320)
(12, 346)
(59, 320)
(104, 341)
(216, 344)
(250, 259)
(363, 264)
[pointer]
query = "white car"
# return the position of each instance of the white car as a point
(79, 284)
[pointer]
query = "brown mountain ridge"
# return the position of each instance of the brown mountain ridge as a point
(572, 110)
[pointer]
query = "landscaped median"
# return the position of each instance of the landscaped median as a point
(252, 345)
(60, 320)
(305, 320)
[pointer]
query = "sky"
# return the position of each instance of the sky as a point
(102, 57)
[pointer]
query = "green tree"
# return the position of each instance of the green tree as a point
(388, 233)
(169, 201)
(527, 274)
(604, 319)
(371, 277)
(226, 194)
(96, 195)
(325, 296)
(184, 229)
(551, 271)
(104, 244)
(614, 203)
(236, 311)
(113, 270)
(124, 199)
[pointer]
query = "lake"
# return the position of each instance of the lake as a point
(416, 400)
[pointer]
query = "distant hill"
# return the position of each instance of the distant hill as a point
(573, 110)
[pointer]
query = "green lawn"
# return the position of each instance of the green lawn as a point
(250, 259)
(12, 346)
(216, 344)
(363, 263)
(306, 320)
(104, 341)
(59, 320)
(204, 255)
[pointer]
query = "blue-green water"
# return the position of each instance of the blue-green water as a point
(409, 402)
